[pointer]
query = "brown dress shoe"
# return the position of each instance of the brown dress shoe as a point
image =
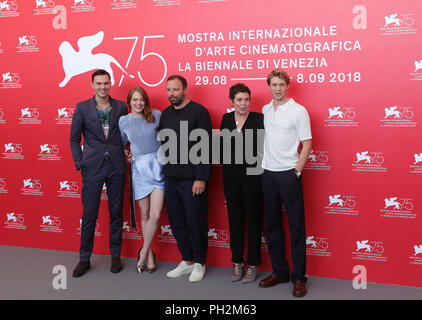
(81, 268)
(271, 281)
(299, 289)
(116, 265)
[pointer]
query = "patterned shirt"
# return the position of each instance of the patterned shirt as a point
(105, 118)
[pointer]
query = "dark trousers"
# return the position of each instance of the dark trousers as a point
(244, 207)
(188, 217)
(91, 198)
(285, 187)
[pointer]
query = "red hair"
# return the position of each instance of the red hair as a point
(146, 112)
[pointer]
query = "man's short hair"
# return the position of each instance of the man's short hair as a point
(180, 78)
(236, 88)
(100, 72)
(279, 73)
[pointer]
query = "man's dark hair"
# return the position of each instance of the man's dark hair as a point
(238, 87)
(180, 78)
(100, 72)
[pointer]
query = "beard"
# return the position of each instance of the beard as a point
(177, 101)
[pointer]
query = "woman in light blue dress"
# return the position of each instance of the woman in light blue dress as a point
(140, 129)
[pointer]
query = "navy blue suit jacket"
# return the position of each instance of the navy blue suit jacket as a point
(86, 123)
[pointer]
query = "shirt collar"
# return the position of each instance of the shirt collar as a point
(109, 101)
(283, 105)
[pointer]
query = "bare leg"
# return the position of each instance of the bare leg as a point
(155, 204)
(144, 208)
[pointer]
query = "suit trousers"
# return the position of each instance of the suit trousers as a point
(91, 197)
(285, 187)
(244, 207)
(188, 217)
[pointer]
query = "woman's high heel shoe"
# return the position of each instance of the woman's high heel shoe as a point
(151, 270)
(140, 268)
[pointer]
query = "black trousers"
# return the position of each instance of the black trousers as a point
(188, 217)
(91, 198)
(286, 187)
(244, 207)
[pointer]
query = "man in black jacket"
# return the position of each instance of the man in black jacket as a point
(101, 160)
(184, 125)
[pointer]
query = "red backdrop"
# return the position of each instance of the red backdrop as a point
(356, 66)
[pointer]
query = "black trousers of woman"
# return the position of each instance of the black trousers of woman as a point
(244, 206)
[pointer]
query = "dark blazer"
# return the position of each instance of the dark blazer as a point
(254, 121)
(86, 122)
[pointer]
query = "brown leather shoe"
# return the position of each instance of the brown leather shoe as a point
(116, 265)
(299, 289)
(271, 281)
(81, 268)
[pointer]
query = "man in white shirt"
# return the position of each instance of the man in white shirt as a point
(287, 127)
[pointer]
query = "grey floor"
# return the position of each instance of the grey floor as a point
(27, 273)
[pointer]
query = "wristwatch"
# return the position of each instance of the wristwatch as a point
(298, 173)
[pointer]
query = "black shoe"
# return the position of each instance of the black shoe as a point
(116, 265)
(81, 268)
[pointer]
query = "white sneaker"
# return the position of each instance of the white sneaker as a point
(180, 270)
(197, 273)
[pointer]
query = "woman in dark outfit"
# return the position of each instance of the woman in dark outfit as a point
(242, 188)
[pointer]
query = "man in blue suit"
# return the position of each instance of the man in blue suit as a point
(101, 160)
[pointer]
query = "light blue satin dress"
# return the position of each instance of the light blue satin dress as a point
(147, 172)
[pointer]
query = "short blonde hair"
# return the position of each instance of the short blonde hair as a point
(279, 73)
